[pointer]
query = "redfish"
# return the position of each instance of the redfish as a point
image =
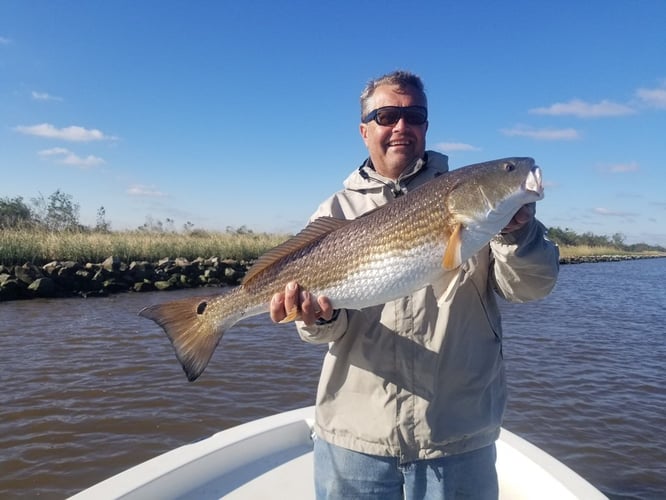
(382, 256)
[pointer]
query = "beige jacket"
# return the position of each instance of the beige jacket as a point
(410, 378)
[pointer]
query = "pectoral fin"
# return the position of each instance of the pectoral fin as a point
(452, 255)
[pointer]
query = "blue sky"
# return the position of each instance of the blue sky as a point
(228, 114)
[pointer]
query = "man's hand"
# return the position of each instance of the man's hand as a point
(523, 216)
(295, 299)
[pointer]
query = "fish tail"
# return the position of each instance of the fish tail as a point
(193, 338)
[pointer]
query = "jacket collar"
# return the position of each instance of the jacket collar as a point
(366, 177)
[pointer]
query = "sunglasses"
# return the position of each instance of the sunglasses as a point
(390, 115)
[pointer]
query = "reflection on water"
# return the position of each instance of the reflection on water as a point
(89, 388)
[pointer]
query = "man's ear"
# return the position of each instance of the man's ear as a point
(363, 129)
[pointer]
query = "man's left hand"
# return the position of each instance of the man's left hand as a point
(523, 216)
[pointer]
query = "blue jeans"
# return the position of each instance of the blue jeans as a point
(346, 474)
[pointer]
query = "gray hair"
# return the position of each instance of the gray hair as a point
(399, 78)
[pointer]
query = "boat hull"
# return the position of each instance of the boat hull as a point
(272, 458)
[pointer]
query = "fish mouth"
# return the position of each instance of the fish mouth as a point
(534, 183)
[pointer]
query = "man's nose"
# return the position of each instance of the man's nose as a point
(401, 124)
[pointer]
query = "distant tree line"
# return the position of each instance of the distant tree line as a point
(568, 237)
(59, 212)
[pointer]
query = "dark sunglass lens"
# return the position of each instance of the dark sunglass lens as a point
(415, 116)
(388, 116)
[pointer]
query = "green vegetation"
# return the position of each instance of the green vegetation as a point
(567, 251)
(591, 244)
(573, 244)
(55, 213)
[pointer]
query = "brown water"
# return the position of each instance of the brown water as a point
(88, 388)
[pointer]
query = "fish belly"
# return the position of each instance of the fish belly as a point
(385, 278)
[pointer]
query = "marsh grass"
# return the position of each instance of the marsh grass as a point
(589, 251)
(567, 251)
(18, 246)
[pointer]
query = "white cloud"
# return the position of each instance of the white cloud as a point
(44, 96)
(612, 213)
(144, 191)
(620, 168)
(544, 134)
(655, 98)
(73, 133)
(582, 109)
(66, 157)
(5, 40)
(449, 147)
(53, 152)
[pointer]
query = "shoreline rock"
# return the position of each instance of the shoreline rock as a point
(72, 279)
(588, 259)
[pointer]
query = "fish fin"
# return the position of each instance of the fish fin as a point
(452, 258)
(193, 338)
(293, 315)
(312, 233)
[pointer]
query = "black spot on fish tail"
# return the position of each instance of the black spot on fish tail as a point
(193, 336)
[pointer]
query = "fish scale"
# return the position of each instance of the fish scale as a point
(384, 255)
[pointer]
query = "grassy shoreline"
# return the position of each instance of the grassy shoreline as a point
(20, 246)
(567, 251)
(40, 247)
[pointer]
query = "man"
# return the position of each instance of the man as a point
(412, 393)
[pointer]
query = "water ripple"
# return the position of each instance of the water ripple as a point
(89, 388)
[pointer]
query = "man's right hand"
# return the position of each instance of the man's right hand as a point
(284, 304)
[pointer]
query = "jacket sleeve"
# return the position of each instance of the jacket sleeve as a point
(324, 333)
(526, 263)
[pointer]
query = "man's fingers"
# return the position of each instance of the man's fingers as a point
(309, 308)
(293, 299)
(326, 309)
(284, 302)
(523, 216)
(276, 308)
(526, 213)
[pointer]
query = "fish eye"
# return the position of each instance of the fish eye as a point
(202, 307)
(509, 166)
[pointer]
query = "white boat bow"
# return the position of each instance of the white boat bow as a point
(272, 458)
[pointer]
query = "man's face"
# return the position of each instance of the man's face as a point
(395, 147)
